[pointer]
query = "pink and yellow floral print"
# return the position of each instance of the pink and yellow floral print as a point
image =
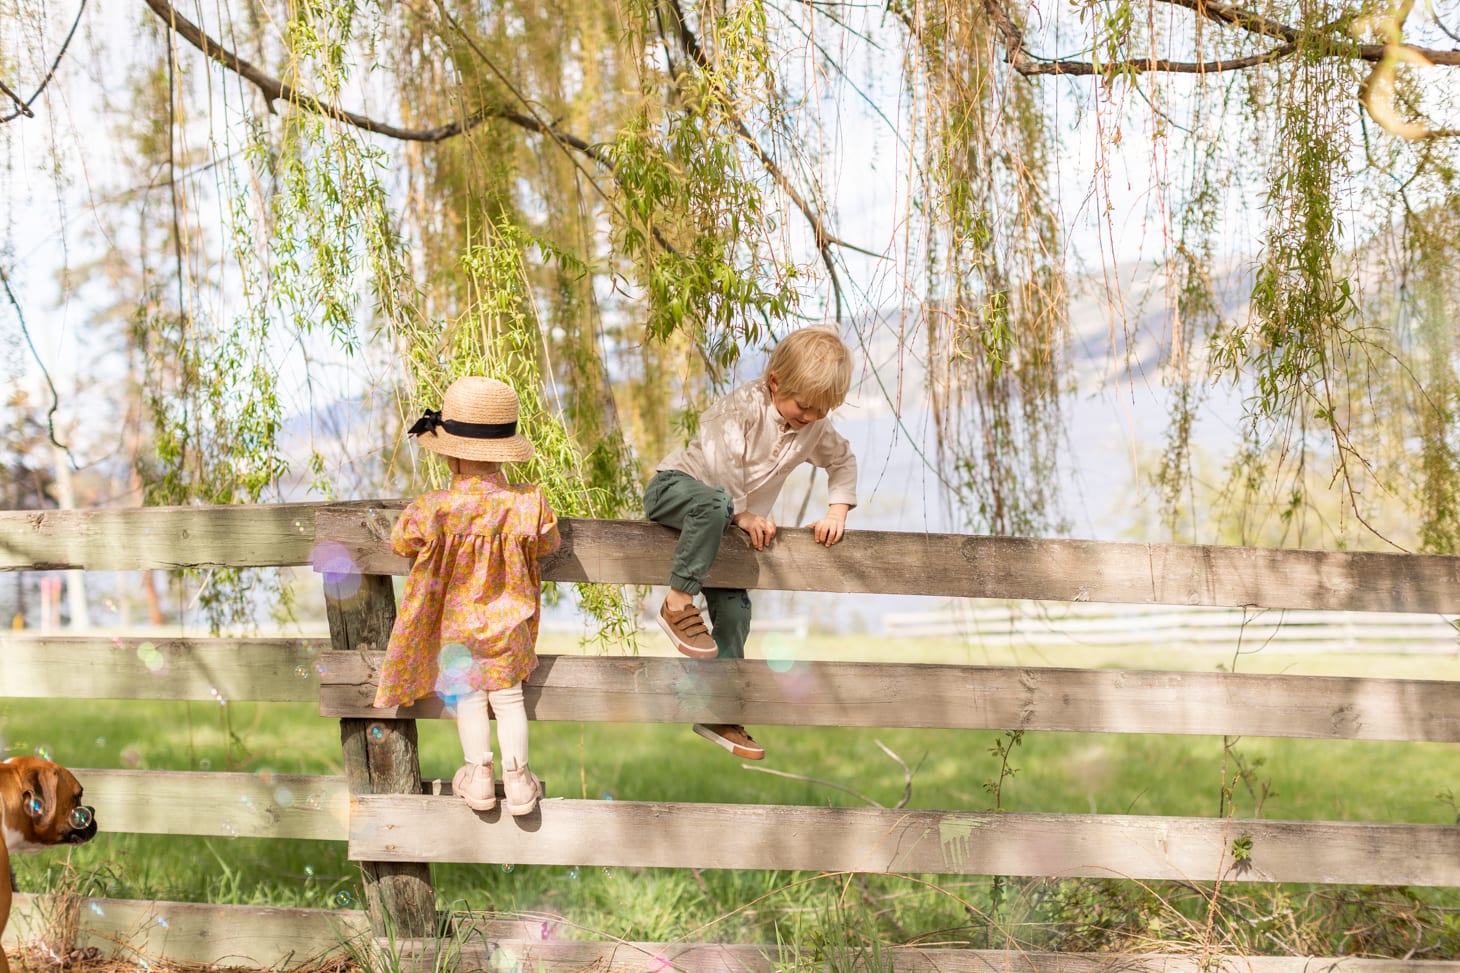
(469, 615)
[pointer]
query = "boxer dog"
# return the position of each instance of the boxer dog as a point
(40, 805)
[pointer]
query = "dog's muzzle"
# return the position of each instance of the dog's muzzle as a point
(83, 825)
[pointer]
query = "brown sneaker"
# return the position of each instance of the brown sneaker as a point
(732, 737)
(688, 632)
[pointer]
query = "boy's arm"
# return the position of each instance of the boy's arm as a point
(834, 454)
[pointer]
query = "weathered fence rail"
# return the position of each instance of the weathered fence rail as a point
(396, 825)
(1088, 624)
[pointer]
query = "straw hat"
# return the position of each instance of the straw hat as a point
(478, 420)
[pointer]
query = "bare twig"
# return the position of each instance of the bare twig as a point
(816, 780)
(274, 90)
(23, 107)
(907, 776)
(45, 373)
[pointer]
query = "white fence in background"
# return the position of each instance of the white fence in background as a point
(1047, 624)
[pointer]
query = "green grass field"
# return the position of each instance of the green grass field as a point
(1113, 774)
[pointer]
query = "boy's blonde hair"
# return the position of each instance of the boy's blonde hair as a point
(813, 365)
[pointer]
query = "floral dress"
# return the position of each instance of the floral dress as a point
(469, 616)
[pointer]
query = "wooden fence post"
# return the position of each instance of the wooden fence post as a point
(381, 757)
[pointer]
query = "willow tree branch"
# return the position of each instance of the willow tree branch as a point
(1234, 16)
(1230, 15)
(1027, 67)
(273, 89)
(825, 240)
(23, 107)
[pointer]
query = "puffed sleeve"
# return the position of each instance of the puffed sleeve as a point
(412, 529)
(548, 539)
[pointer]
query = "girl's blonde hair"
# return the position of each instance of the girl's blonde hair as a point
(812, 365)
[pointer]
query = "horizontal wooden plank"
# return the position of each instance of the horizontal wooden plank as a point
(261, 937)
(242, 670)
(232, 805)
(631, 552)
(1033, 623)
(641, 689)
(246, 535)
(187, 933)
(672, 835)
(968, 566)
(551, 955)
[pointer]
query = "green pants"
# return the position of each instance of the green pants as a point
(700, 513)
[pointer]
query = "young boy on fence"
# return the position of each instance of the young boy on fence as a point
(747, 445)
(467, 627)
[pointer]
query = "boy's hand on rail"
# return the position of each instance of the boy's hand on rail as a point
(829, 529)
(761, 530)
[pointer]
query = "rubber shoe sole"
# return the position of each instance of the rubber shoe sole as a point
(684, 647)
(757, 754)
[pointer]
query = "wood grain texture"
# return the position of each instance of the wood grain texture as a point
(381, 757)
(970, 566)
(671, 690)
(230, 805)
(670, 835)
(246, 535)
(257, 937)
(633, 552)
(242, 670)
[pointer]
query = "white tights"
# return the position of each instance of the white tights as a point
(474, 726)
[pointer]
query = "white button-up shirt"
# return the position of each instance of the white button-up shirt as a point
(745, 446)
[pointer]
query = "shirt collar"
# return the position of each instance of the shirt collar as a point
(782, 424)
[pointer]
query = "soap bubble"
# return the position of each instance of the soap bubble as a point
(780, 654)
(332, 559)
(453, 666)
(151, 657)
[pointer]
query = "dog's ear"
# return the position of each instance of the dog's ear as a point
(39, 797)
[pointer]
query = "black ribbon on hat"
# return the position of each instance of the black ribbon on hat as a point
(432, 421)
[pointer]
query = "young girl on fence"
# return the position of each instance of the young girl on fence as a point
(467, 626)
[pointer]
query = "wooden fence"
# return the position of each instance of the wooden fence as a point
(1085, 624)
(396, 826)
